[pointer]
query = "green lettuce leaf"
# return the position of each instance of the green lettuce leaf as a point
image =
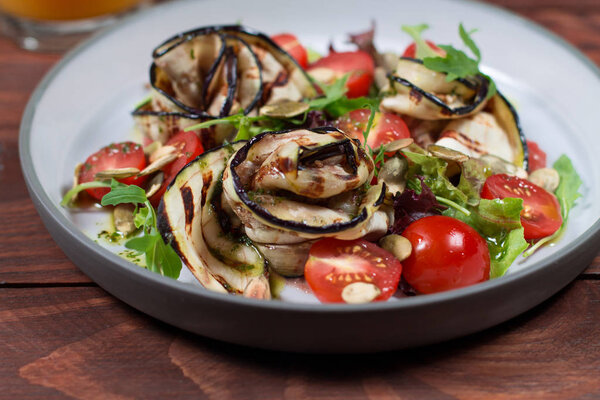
(498, 221)
(433, 170)
(567, 193)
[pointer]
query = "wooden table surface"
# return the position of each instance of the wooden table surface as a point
(62, 336)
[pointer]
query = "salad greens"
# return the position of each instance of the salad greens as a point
(455, 63)
(566, 193)
(160, 257)
(333, 103)
(497, 221)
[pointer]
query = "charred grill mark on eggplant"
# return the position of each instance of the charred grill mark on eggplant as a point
(417, 92)
(231, 37)
(188, 203)
(232, 81)
(306, 155)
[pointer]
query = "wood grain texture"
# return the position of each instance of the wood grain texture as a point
(95, 347)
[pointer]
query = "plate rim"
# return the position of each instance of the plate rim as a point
(41, 199)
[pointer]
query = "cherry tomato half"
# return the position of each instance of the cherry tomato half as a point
(537, 156)
(446, 254)
(188, 146)
(292, 46)
(540, 216)
(411, 49)
(386, 128)
(359, 64)
(113, 156)
(333, 264)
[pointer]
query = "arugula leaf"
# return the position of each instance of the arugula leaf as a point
(468, 41)
(160, 257)
(332, 93)
(374, 108)
(422, 48)
(121, 193)
(456, 64)
(70, 195)
(566, 193)
(335, 103)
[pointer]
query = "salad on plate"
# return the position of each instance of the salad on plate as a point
(364, 175)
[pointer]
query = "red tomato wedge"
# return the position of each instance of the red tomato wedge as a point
(446, 254)
(537, 156)
(386, 128)
(188, 146)
(292, 46)
(540, 216)
(411, 50)
(358, 64)
(333, 264)
(113, 156)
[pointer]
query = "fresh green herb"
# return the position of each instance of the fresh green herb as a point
(160, 257)
(498, 221)
(335, 103)
(373, 108)
(143, 102)
(433, 170)
(567, 193)
(192, 55)
(456, 63)
(422, 48)
(121, 193)
(312, 55)
(70, 195)
(452, 204)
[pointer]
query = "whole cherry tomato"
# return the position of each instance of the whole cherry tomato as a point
(292, 46)
(358, 64)
(446, 254)
(537, 156)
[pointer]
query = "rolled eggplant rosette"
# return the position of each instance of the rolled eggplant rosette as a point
(228, 215)
(216, 71)
(419, 92)
(293, 187)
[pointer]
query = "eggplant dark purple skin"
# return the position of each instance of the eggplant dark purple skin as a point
(482, 87)
(240, 34)
(263, 213)
(517, 124)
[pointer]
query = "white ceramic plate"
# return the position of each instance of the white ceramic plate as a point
(85, 103)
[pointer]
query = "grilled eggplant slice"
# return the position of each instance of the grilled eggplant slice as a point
(494, 131)
(281, 182)
(419, 92)
(191, 218)
(215, 71)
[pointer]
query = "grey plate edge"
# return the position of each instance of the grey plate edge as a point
(41, 199)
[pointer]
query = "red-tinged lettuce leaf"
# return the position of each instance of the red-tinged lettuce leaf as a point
(412, 205)
(364, 41)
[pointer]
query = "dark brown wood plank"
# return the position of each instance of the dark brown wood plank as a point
(27, 252)
(83, 343)
(578, 22)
